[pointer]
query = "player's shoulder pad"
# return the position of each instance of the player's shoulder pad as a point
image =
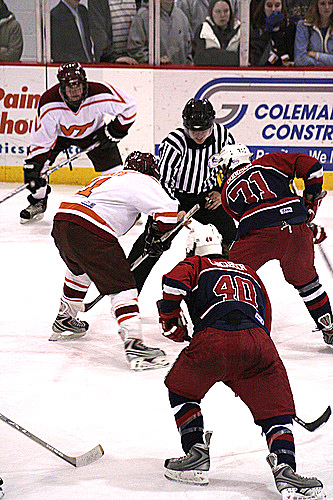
(50, 95)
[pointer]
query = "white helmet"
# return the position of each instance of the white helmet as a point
(233, 156)
(203, 240)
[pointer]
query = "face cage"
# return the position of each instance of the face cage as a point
(68, 101)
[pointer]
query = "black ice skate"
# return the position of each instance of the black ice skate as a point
(66, 327)
(141, 357)
(194, 467)
(292, 486)
(1, 490)
(33, 212)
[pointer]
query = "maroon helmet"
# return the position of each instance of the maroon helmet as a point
(70, 74)
(145, 163)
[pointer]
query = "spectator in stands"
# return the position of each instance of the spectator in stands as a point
(176, 35)
(70, 33)
(216, 42)
(197, 11)
(314, 35)
(110, 21)
(253, 7)
(297, 9)
(272, 35)
(11, 39)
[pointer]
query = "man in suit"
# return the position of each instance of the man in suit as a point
(69, 19)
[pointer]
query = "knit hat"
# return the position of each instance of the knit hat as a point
(4, 12)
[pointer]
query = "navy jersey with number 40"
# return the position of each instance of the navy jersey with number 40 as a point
(215, 290)
(259, 194)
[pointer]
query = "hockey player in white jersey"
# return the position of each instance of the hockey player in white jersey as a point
(71, 113)
(86, 229)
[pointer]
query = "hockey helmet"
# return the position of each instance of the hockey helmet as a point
(72, 74)
(203, 240)
(198, 114)
(232, 157)
(145, 163)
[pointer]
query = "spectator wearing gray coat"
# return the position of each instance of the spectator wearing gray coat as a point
(11, 38)
(175, 38)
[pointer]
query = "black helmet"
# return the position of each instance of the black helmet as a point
(69, 74)
(198, 114)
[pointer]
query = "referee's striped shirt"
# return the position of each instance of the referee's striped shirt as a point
(184, 164)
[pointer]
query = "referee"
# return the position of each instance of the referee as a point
(186, 175)
(185, 171)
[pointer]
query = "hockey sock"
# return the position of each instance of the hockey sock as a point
(315, 299)
(76, 287)
(189, 420)
(280, 439)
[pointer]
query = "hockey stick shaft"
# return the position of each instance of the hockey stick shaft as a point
(325, 257)
(85, 459)
(140, 259)
(167, 235)
(322, 250)
(51, 170)
(312, 426)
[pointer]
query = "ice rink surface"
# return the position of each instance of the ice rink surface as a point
(75, 395)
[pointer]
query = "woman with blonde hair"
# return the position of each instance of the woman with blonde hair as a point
(314, 35)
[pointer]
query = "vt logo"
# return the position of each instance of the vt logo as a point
(79, 129)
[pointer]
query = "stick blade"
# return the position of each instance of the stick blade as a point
(89, 457)
(321, 420)
(313, 426)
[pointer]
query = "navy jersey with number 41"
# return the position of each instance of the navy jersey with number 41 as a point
(216, 290)
(259, 194)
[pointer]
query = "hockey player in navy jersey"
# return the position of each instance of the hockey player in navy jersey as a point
(71, 113)
(274, 221)
(231, 315)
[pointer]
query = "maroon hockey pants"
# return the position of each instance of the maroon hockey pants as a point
(245, 360)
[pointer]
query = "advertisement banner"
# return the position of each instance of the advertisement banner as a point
(20, 90)
(267, 111)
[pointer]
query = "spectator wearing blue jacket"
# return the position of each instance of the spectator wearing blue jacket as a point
(314, 35)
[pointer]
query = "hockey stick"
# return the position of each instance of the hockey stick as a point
(143, 257)
(326, 259)
(321, 249)
(85, 459)
(312, 426)
(51, 170)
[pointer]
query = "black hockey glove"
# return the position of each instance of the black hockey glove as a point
(173, 324)
(153, 246)
(32, 169)
(108, 134)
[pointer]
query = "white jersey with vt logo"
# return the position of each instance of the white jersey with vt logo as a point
(111, 203)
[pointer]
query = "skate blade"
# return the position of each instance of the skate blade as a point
(35, 218)
(63, 337)
(291, 494)
(140, 364)
(197, 477)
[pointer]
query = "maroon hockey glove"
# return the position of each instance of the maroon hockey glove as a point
(173, 325)
(319, 234)
(313, 205)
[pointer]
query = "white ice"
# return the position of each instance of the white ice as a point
(78, 394)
